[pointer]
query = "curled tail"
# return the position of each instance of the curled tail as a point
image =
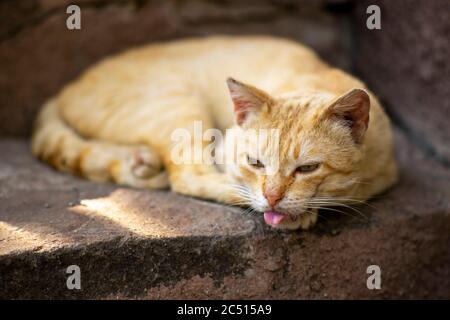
(59, 145)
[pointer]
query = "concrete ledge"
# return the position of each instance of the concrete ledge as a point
(155, 244)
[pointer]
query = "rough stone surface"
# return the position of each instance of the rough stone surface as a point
(38, 54)
(406, 63)
(154, 244)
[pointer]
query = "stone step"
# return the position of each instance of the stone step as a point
(133, 243)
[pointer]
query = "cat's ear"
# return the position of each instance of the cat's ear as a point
(246, 99)
(352, 109)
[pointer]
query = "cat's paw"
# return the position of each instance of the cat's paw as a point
(307, 220)
(144, 163)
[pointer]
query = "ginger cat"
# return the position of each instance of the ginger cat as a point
(115, 123)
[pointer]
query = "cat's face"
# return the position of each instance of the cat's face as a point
(308, 155)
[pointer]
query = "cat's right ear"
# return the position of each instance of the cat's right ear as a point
(247, 100)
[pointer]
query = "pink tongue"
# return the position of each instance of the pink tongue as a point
(271, 217)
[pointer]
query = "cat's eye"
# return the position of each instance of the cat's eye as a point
(255, 162)
(307, 168)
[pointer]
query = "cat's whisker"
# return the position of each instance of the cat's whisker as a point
(337, 199)
(239, 204)
(318, 214)
(330, 208)
(335, 210)
(348, 200)
(337, 204)
(325, 202)
(238, 186)
(341, 200)
(245, 212)
(243, 192)
(250, 211)
(244, 195)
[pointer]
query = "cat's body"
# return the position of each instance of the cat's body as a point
(116, 122)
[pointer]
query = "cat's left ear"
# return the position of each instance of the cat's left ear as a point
(352, 109)
(247, 100)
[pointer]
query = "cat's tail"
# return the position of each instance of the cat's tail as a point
(56, 143)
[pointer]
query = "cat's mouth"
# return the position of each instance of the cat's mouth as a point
(275, 218)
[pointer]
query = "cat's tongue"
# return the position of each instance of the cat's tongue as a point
(273, 217)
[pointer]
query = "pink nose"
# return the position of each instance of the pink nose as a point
(273, 197)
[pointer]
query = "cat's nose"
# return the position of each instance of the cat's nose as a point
(273, 197)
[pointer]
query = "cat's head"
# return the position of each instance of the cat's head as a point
(308, 154)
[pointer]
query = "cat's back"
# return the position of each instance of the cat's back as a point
(215, 54)
(147, 75)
